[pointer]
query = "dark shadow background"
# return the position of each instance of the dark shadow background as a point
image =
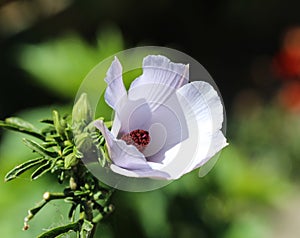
(224, 36)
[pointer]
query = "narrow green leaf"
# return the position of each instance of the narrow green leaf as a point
(67, 150)
(18, 170)
(20, 122)
(17, 124)
(40, 149)
(75, 226)
(48, 130)
(42, 170)
(49, 144)
(47, 121)
(102, 156)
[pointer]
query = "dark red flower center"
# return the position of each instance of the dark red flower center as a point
(139, 138)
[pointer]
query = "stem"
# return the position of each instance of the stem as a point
(47, 197)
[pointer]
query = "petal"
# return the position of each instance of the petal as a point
(134, 115)
(127, 160)
(159, 80)
(204, 115)
(168, 127)
(115, 93)
(150, 173)
(123, 155)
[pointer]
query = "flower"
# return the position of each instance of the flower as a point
(164, 127)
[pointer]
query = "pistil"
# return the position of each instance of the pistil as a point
(139, 138)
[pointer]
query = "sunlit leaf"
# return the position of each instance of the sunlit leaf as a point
(54, 232)
(20, 125)
(18, 170)
(39, 149)
(42, 170)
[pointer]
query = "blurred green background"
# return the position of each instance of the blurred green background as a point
(252, 50)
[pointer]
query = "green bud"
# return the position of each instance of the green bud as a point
(59, 124)
(82, 111)
(70, 160)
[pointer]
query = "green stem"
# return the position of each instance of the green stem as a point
(47, 197)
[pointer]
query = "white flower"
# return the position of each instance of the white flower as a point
(164, 127)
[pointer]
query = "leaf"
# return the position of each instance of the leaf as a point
(18, 124)
(75, 226)
(86, 228)
(47, 121)
(67, 150)
(22, 168)
(49, 144)
(72, 211)
(48, 130)
(102, 157)
(70, 160)
(40, 149)
(42, 170)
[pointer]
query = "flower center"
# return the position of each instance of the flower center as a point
(139, 138)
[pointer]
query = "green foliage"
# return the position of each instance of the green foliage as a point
(17, 124)
(18, 170)
(61, 64)
(62, 158)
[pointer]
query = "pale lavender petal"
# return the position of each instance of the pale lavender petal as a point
(127, 160)
(170, 123)
(123, 155)
(149, 173)
(134, 115)
(115, 94)
(159, 80)
(204, 118)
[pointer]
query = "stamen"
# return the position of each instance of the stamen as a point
(139, 138)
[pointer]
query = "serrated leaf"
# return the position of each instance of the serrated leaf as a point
(18, 170)
(18, 124)
(40, 149)
(42, 170)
